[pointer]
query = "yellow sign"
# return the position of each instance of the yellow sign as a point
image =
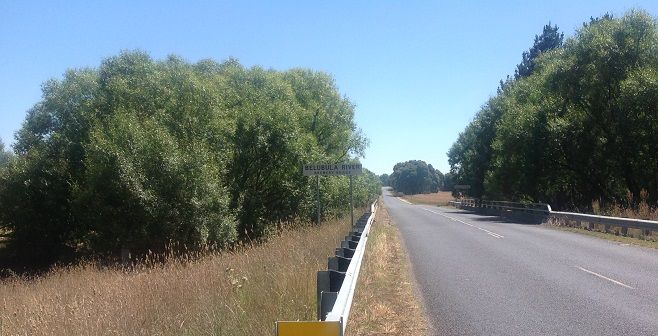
(308, 328)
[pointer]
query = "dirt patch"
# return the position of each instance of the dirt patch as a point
(386, 302)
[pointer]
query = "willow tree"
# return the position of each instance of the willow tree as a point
(141, 153)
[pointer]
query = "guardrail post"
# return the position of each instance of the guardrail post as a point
(349, 244)
(322, 286)
(347, 252)
(327, 301)
(338, 263)
(328, 285)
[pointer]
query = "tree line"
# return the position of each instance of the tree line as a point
(140, 153)
(577, 122)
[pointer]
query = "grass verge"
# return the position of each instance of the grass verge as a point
(231, 293)
(634, 237)
(440, 198)
(386, 302)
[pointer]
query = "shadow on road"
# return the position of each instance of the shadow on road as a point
(522, 219)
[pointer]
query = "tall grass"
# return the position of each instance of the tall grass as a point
(231, 293)
(633, 208)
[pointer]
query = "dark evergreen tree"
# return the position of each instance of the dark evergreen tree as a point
(549, 39)
(4, 154)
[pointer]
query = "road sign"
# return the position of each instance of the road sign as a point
(332, 169)
(307, 328)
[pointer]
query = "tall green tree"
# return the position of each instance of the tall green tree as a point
(141, 153)
(4, 154)
(471, 155)
(580, 127)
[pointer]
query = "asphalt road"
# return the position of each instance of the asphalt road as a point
(480, 275)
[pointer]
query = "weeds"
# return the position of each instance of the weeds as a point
(634, 208)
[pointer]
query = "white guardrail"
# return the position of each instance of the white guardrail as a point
(542, 211)
(341, 310)
(337, 305)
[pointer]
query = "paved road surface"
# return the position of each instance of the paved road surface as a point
(480, 275)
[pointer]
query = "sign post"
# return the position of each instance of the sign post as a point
(317, 178)
(351, 201)
(330, 169)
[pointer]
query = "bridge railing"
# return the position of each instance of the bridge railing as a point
(543, 211)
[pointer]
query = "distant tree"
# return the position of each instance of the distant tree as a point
(437, 179)
(384, 178)
(448, 182)
(415, 177)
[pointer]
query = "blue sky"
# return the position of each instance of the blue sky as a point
(417, 71)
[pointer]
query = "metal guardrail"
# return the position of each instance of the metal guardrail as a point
(539, 210)
(503, 205)
(341, 308)
(336, 285)
(624, 223)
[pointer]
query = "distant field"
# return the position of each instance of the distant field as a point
(238, 293)
(440, 198)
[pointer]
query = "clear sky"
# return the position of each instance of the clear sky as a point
(417, 71)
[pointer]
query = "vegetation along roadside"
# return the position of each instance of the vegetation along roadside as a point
(139, 153)
(242, 292)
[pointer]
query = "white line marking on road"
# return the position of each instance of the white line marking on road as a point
(404, 200)
(493, 234)
(604, 277)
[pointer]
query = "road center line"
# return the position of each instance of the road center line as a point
(403, 200)
(493, 234)
(604, 277)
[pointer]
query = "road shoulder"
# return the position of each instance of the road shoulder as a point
(387, 300)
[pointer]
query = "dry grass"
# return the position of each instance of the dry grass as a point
(236, 293)
(638, 209)
(440, 198)
(385, 301)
